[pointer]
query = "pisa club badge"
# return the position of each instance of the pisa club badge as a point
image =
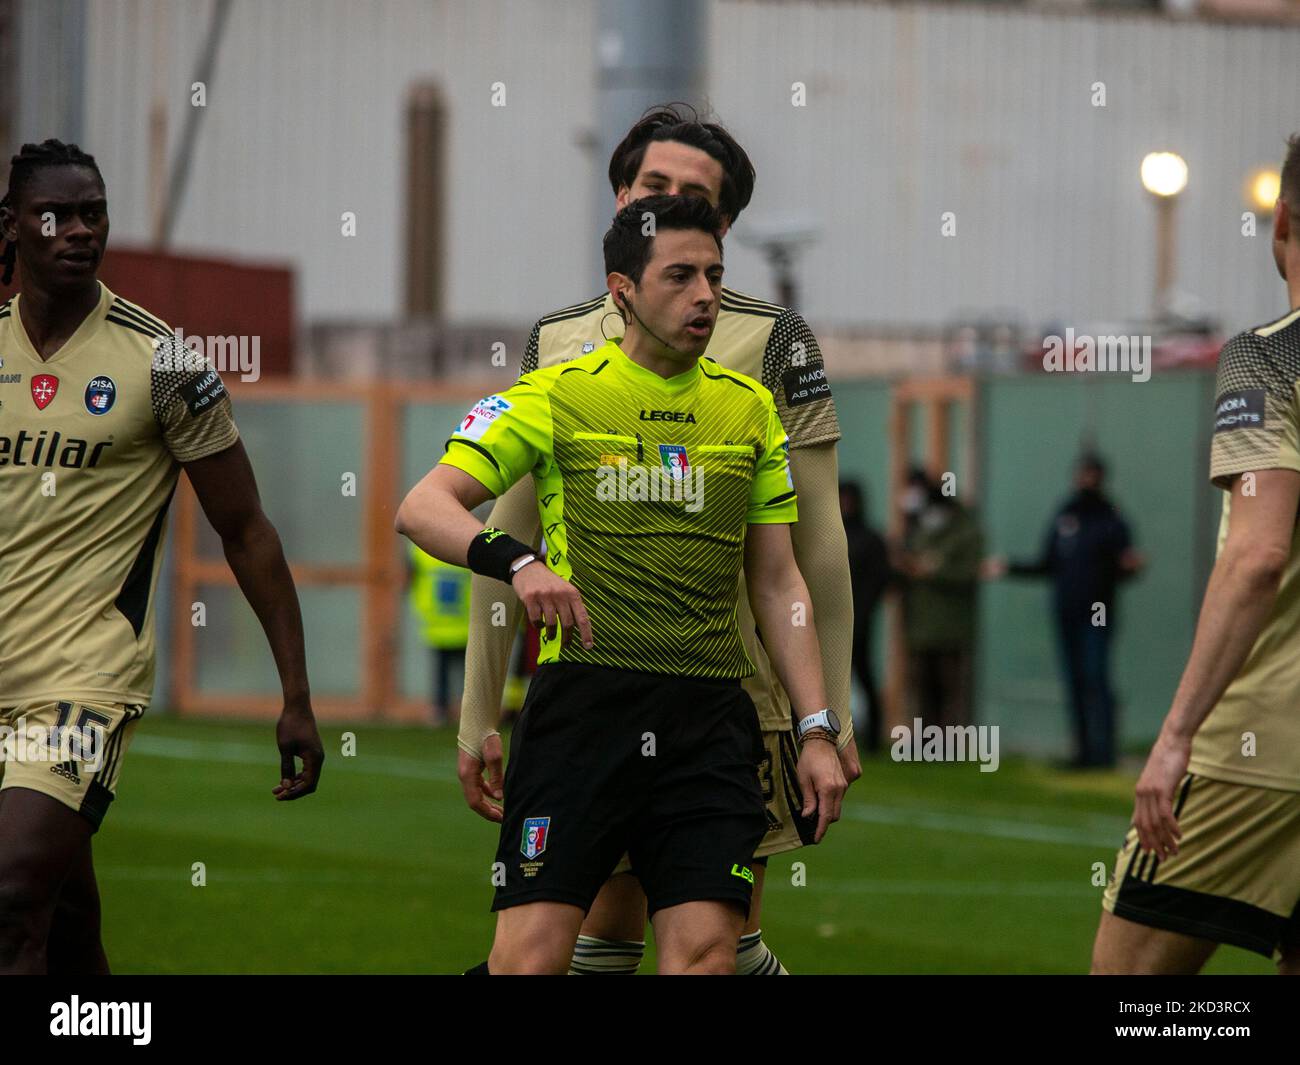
(101, 394)
(45, 387)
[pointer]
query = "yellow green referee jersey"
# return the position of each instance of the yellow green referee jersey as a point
(1252, 736)
(645, 487)
(769, 343)
(764, 341)
(90, 445)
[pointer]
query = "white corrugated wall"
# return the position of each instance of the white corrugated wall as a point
(913, 110)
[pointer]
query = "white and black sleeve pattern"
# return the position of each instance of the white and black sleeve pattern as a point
(531, 350)
(794, 373)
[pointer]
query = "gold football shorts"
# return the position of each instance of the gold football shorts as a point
(1236, 876)
(71, 751)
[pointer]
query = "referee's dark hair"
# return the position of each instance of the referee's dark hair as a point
(680, 122)
(1290, 181)
(628, 246)
(22, 167)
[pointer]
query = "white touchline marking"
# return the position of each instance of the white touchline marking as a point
(1096, 834)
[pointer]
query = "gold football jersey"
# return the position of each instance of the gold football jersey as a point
(91, 442)
(1252, 736)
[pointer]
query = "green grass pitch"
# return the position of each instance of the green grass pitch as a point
(934, 868)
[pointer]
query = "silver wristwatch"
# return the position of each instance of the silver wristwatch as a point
(520, 563)
(823, 719)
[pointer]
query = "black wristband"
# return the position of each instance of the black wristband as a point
(491, 552)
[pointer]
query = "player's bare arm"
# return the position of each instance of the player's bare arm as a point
(436, 516)
(227, 491)
(487, 657)
(783, 610)
(1237, 603)
(822, 553)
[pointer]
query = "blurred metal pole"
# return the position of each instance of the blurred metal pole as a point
(1166, 252)
(51, 77)
(158, 123)
(647, 52)
(189, 130)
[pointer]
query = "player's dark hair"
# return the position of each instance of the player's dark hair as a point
(22, 168)
(1289, 186)
(680, 122)
(627, 245)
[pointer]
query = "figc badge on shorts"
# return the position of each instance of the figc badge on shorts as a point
(536, 830)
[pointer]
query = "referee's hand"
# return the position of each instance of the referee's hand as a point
(551, 600)
(483, 797)
(822, 782)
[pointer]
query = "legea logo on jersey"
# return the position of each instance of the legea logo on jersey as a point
(101, 394)
(483, 415)
(536, 829)
(674, 480)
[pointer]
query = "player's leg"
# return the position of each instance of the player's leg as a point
(1124, 947)
(40, 841)
(695, 837)
(753, 956)
(698, 938)
(572, 772)
(612, 940)
(535, 938)
(787, 831)
(75, 945)
(1235, 880)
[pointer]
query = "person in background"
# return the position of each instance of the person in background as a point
(439, 597)
(869, 573)
(940, 561)
(1087, 551)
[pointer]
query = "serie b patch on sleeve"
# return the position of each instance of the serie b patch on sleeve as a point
(485, 412)
(1239, 410)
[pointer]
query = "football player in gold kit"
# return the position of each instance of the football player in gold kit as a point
(100, 410)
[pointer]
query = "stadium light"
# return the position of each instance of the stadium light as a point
(1262, 188)
(1164, 175)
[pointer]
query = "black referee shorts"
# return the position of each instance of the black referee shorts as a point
(607, 761)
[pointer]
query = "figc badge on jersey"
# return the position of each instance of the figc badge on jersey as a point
(673, 456)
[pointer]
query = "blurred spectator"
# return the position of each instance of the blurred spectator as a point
(868, 574)
(439, 597)
(1086, 553)
(940, 560)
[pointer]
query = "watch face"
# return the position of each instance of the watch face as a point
(833, 721)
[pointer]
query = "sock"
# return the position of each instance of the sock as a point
(754, 959)
(480, 969)
(606, 957)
